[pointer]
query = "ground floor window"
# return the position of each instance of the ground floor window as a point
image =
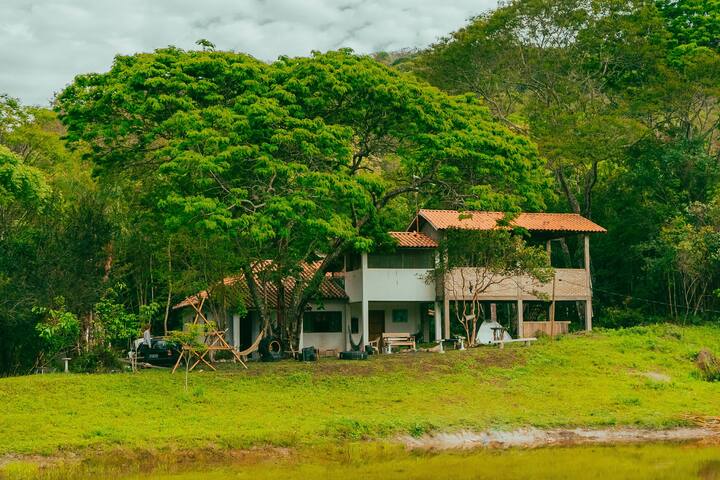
(322, 322)
(400, 315)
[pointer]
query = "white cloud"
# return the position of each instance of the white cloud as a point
(45, 43)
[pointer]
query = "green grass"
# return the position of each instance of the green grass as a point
(589, 380)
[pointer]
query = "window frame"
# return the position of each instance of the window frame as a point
(403, 259)
(323, 313)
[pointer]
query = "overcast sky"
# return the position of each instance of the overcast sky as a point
(45, 43)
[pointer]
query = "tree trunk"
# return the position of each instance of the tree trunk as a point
(259, 300)
(169, 295)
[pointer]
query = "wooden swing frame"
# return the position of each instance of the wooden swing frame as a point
(215, 340)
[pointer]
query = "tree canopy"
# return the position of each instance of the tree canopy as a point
(295, 161)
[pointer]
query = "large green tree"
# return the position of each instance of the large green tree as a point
(296, 161)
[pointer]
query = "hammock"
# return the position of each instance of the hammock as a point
(355, 346)
(254, 347)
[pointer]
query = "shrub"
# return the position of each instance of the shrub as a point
(614, 317)
(58, 330)
(709, 365)
(98, 359)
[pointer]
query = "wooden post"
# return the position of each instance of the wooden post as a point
(446, 316)
(365, 320)
(552, 310)
(588, 279)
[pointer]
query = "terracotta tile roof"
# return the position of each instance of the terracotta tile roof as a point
(473, 220)
(413, 239)
(330, 288)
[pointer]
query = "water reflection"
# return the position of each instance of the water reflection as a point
(370, 461)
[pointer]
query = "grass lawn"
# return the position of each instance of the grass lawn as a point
(643, 376)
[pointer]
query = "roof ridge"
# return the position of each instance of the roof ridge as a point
(438, 210)
(499, 212)
(486, 220)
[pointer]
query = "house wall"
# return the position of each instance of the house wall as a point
(391, 284)
(354, 285)
(327, 341)
(531, 329)
(413, 323)
(430, 231)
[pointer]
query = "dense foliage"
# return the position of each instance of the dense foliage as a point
(56, 230)
(622, 100)
(176, 168)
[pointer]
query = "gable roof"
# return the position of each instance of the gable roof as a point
(330, 287)
(476, 220)
(413, 240)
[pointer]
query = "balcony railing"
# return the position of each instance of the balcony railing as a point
(463, 283)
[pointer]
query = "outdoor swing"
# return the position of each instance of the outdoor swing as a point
(215, 340)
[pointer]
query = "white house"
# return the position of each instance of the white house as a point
(397, 291)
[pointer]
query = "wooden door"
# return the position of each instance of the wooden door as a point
(376, 325)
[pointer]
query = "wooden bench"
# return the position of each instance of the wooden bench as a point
(525, 341)
(398, 340)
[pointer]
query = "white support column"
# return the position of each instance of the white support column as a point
(442, 313)
(365, 323)
(236, 330)
(446, 316)
(438, 321)
(588, 301)
(365, 320)
(301, 340)
(425, 325)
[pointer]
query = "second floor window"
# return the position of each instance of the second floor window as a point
(422, 259)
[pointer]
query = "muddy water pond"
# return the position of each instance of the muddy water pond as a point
(644, 461)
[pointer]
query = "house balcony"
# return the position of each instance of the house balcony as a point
(568, 284)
